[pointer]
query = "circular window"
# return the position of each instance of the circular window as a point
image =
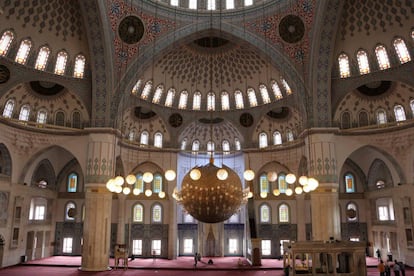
(291, 28)
(131, 29)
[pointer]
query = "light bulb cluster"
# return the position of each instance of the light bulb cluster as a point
(303, 185)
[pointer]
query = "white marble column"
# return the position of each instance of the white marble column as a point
(300, 217)
(120, 233)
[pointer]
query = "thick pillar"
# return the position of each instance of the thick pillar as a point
(98, 202)
(120, 233)
(301, 219)
(325, 213)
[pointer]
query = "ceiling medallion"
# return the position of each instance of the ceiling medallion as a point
(4, 74)
(246, 120)
(291, 28)
(175, 120)
(131, 29)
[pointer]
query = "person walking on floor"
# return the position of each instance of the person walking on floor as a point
(387, 269)
(402, 268)
(381, 268)
(396, 268)
(195, 259)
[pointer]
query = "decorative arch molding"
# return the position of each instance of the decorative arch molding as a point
(5, 161)
(350, 166)
(62, 177)
(44, 171)
(379, 171)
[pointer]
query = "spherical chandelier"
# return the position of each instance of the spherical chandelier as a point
(211, 197)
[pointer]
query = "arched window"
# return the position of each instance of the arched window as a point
(399, 113)
(157, 183)
(156, 213)
(251, 95)
(411, 105)
(144, 138)
(8, 109)
(363, 63)
(225, 101)
(277, 138)
(158, 94)
(79, 70)
(363, 119)
(238, 96)
(184, 144)
(192, 4)
(170, 97)
(276, 90)
(248, 3)
(5, 42)
(283, 213)
(229, 4)
(211, 101)
(131, 135)
(158, 140)
(182, 103)
(349, 183)
(226, 147)
(23, 52)
(382, 57)
(24, 113)
(211, 5)
(60, 118)
(286, 86)
(264, 93)
(282, 184)
(402, 51)
(38, 207)
(174, 3)
(72, 183)
(210, 147)
(136, 87)
(42, 58)
(351, 212)
(61, 60)
(381, 117)
(139, 185)
(345, 120)
(196, 146)
(265, 213)
(343, 62)
(289, 135)
(237, 144)
(70, 211)
(147, 90)
(76, 119)
(138, 213)
(197, 100)
(264, 183)
(263, 140)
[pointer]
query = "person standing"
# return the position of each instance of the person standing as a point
(402, 268)
(381, 268)
(396, 268)
(387, 269)
(195, 259)
(378, 254)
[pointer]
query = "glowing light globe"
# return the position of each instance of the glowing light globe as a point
(272, 176)
(222, 174)
(298, 190)
(118, 189)
(161, 194)
(136, 191)
(290, 178)
(131, 179)
(306, 188)
(148, 192)
(126, 190)
(119, 180)
(248, 175)
(263, 194)
(276, 192)
(289, 192)
(147, 177)
(303, 180)
(313, 183)
(170, 175)
(195, 174)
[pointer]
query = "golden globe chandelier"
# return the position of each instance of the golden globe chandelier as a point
(304, 184)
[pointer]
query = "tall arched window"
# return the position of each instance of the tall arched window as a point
(264, 93)
(210, 147)
(192, 4)
(131, 135)
(276, 90)
(283, 213)
(343, 62)
(363, 63)
(225, 101)
(24, 113)
(38, 207)
(286, 86)
(345, 120)
(42, 58)
(411, 105)
(158, 94)
(226, 147)
(139, 185)
(229, 4)
(156, 213)
(136, 87)
(158, 140)
(69, 214)
(182, 103)
(351, 212)
(23, 52)
(264, 183)
(281, 181)
(79, 70)
(238, 97)
(248, 3)
(382, 57)
(211, 5)
(174, 3)
(211, 101)
(251, 95)
(170, 97)
(5, 42)
(381, 117)
(363, 119)
(349, 183)
(265, 213)
(277, 138)
(138, 213)
(146, 90)
(237, 144)
(196, 146)
(402, 51)
(263, 140)
(8, 109)
(61, 60)
(144, 138)
(157, 183)
(76, 119)
(184, 144)
(72, 183)
(289, 135)
(60, 118)
(399, 113)
(197, 100)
